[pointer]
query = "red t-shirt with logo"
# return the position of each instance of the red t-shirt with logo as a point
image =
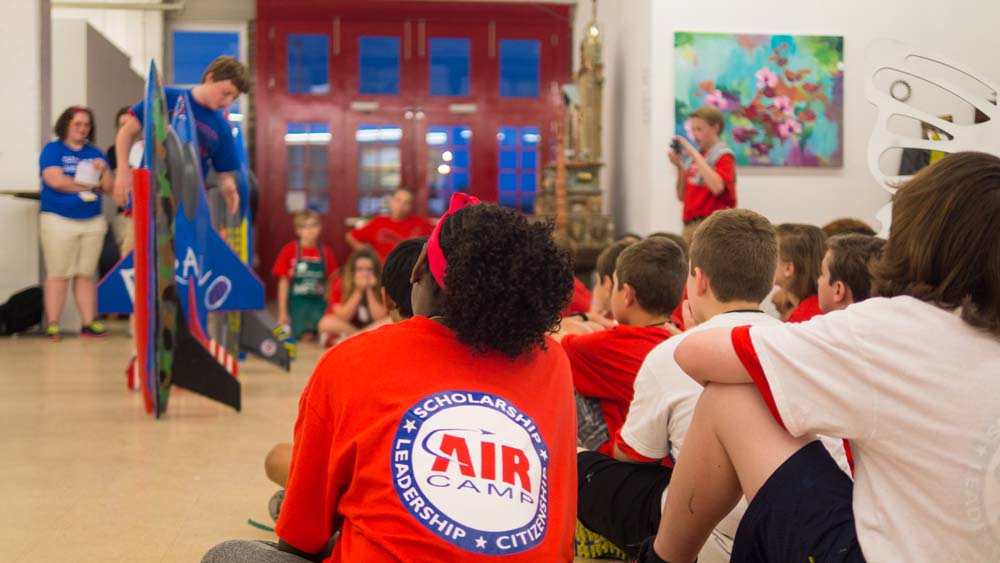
(419, 449)
(284, 266)
(605, 364)
(383, 233)
(807, 309)
(699, 202)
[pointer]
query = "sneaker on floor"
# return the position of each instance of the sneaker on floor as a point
(274, 505)
(52, 331)
(93, 330)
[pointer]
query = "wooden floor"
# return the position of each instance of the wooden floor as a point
(90, 477)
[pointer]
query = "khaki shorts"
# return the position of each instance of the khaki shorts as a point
(123, 228)
(71, 247)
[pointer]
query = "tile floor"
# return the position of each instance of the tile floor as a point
(90, 477)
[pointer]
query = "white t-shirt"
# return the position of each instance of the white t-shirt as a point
(917, 391)
(661, 410)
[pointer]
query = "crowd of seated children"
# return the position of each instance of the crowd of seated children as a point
(800, 252)
(304, 269)
(845, 276)
(468, 394)
(646, 287)
(355, 303)
(732, 262)
(906, 376)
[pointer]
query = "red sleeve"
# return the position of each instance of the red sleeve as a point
(748, 356)
(597, 366)
(367, 233)
(331, 262)
(621, 444)
(283, 265)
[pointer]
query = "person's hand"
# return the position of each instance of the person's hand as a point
(363, 280)
(688, 315)
(99, 165)
(675, 158)
(282, 319)
(230, 194)
(600, 318)
(687, 147)
(123, 185)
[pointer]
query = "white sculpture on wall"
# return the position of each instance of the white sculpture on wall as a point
(890, 63)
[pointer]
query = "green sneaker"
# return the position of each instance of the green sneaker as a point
(93, 330)
(52, 331)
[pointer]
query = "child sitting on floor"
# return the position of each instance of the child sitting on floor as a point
(303, 269)
(909, 377)
(356, 299)
(647, 284)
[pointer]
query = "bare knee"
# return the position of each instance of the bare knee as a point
(277, 463)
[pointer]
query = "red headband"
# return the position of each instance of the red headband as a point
(435, 257)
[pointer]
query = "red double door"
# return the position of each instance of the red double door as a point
(354, 102)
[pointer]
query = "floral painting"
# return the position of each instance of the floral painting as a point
(782, 95)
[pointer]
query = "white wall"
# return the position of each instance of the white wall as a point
(24, 92)
(88, 69)
(643, 85)
(136, 32)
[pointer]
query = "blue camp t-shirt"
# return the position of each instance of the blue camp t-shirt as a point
(66, 204)
(215, 133)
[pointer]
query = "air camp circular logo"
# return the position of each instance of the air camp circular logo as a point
(472, 468)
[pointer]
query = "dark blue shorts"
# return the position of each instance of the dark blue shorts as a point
(803, 513)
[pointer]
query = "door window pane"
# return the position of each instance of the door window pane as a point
(379, 169)
(449, 68)
(194, 50)
(447, 164)
(519, 68)
(307, 166)
(378, 65)
(517, 177)
(308, 63)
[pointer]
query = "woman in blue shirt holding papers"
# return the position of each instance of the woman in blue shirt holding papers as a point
(74, 173)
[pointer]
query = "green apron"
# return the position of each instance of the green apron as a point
(307, 299)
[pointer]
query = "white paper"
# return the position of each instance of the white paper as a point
(135, 155)
(87, 174)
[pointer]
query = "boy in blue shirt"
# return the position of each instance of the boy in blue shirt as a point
(223, 81)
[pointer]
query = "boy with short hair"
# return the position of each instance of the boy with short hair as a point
(303, 268)
(732, 261)
(647, 285)
(845, 274)
(223, 81)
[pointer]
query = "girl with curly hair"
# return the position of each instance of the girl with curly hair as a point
(450, 436)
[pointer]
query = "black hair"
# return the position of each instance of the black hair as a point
(61, 128)
(396, 273)
(507, 283)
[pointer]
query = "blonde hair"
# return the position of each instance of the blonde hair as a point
(301, 217)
